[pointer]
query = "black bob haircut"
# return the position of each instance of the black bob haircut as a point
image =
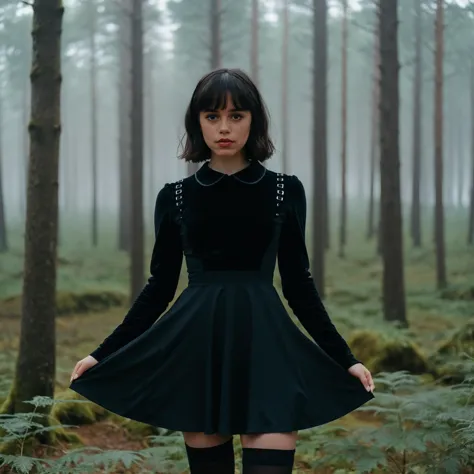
(211, 94)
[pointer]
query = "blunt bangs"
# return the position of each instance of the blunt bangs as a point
(214, 93)
(211, 94)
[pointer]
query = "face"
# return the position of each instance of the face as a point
(225, 131)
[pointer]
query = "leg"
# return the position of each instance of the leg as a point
(209, 453)
(268, 453)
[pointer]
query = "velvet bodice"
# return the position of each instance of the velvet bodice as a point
(227, 224)
(247, 221)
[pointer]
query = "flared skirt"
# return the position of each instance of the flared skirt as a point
(225, 358)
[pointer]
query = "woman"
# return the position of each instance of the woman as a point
(226, 358)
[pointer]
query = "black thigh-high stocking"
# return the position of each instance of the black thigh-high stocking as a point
(267, 461)
(216, 459)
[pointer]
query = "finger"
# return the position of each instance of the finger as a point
(366, 380)
(370, 381)
(74, 370)
(77, 371)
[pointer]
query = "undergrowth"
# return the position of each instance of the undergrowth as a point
(417, 429)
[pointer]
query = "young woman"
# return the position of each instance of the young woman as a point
(227, 358)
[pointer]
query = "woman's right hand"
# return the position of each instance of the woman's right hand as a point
(82, 366)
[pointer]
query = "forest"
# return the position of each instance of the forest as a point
(372, 107)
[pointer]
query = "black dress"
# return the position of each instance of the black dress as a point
(226, 357)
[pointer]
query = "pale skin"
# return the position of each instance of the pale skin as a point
(234, 125)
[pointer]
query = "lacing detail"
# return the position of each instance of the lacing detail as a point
(280, 192)
(178, 197)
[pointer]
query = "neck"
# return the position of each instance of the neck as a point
(228, 164)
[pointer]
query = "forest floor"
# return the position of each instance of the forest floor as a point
(353, 301)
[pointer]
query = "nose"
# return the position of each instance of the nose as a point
(224, 125)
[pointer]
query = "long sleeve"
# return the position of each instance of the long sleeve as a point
(165, 268)
(297, 283)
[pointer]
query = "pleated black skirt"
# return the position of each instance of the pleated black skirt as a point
(226, 358)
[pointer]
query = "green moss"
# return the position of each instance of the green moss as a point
(139, 430)
(8, 406)
(78, 411)
(347, 296)
(70, 303)
(459, 292)
(384, 353)
(14, 447)
(462, 341)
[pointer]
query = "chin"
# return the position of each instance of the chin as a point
(226, 152)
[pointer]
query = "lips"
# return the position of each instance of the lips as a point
(225, 140)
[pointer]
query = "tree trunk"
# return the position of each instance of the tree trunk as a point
(438, 126)
(284, 87)
(216, 53)
(93, 123)
(461, 140)
(448, 150)
(374, 146)
(391, 216)
(24, 137)
(319, 142)
(254, 43)
(73, 154)
(36, 361)
(417, 94)
(470, 232)
(342, 229)
(3, 224)
(150, 133)
(136, 171)
(125, 124)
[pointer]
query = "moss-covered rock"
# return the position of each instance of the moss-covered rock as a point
(383, 353)
(70, 303)
(77, 411)
(348, 296)
(454, 373)
(461, 292)
(462, 341)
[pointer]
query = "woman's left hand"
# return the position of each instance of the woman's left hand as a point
(364, 375)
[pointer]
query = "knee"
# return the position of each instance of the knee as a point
(201, 440)
(285, 441)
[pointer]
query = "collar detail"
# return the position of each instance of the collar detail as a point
(251, 174)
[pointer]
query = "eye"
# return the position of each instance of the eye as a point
(211, 117)
(237, 117)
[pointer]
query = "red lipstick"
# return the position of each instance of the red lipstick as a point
(224, 142)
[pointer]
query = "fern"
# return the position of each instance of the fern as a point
(423, 429)
(417, 429)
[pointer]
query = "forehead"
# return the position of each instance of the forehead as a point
(225, 93)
